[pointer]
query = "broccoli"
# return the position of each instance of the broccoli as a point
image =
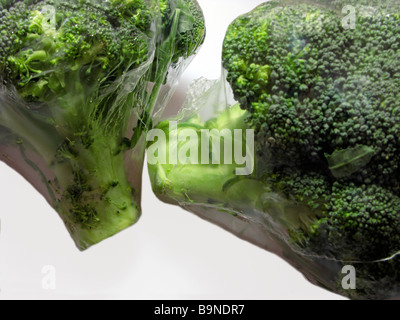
(313, 87)
(361, 222)
(74, 75)
(323, 102)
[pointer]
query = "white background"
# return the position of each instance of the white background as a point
(169, 254)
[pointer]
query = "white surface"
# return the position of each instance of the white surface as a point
(169, 254)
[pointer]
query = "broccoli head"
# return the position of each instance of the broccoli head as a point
(313, 86)
(323, 100)
(320, 90)
(74, 75)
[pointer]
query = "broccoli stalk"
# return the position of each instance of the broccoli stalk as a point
(89, 185)
(75, 76)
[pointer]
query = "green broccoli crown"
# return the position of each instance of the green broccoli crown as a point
(44, 41)
(313, 87)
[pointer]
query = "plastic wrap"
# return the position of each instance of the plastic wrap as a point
(80, 83)
(296, 147)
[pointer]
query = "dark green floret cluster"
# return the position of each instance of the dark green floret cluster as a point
(313, 87)
(74, 75)
(355, 222)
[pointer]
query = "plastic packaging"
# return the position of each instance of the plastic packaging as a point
(296, 148)
(80, 83)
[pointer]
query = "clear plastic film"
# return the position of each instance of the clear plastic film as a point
(307, 114)
(81, 83)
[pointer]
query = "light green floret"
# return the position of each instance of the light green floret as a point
(204, 182)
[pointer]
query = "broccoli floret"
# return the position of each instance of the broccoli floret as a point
(361, 222)
(349, 222)
(191, 31)
(357, 225)
(313, 87)
(74, 74)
